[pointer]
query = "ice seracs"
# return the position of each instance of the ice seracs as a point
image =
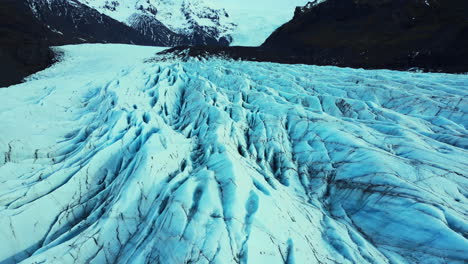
(127, 157)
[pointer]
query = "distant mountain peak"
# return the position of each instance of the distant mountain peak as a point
(194, 19)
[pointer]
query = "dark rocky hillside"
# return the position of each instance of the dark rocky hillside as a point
(79, 23)
(431, 34)
(24, 43)
(388, 34)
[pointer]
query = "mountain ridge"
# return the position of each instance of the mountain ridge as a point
(193, 21)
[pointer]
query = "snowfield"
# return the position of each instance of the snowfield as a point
(116, 156)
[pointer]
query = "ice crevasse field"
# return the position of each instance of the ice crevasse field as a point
(118, 155)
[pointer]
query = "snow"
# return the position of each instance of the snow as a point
(118, 155)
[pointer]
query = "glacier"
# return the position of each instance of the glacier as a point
(118, 155)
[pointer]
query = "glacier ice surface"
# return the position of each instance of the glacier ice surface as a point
(114, 155)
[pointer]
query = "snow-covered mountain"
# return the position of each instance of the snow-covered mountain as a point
(115, 155)
(192, 18)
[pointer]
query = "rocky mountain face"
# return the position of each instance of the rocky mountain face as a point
(79, 23)
(24, 46)
(184, 22)
(429, 34)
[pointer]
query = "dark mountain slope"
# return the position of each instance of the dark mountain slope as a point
(432, 34)
(24, 43)
(389, 34)
(79, 23)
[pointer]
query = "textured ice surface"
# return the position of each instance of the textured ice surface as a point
(108, 157)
